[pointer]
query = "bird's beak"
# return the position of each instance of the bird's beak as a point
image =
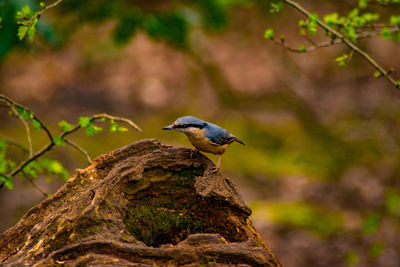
(169, 127)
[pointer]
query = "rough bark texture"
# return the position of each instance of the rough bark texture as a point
(145, 204)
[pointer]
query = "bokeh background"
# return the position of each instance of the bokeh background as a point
(321, 164)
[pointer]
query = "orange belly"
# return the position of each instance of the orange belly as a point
(205, 145)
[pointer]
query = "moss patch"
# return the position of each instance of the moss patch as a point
(167, 209)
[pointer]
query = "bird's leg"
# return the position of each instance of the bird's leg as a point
(217, 167)
(193, 152)
(219, 160)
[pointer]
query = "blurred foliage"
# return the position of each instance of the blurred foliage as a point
(352, 258)
(376, 249)
(371, 223)
(360, 22)
(301, 215)
(170, 22)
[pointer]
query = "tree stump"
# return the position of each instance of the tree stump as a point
(144, 204)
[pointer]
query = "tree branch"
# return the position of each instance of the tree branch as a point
(120, 119)
(40, 12)
(63, 135)
(331, 42)
(347, 42)
(28, 131)
(35, 185)
(10, 103)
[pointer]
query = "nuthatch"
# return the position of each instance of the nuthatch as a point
(204, 136)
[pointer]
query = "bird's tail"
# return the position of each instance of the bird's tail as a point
(240, 142)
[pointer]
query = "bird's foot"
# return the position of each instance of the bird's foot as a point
(193, 153)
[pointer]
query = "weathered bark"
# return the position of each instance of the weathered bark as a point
(145, 204)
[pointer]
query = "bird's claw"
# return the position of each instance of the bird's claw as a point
(215, 170)
(193, 152)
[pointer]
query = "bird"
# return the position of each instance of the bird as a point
(204, 136)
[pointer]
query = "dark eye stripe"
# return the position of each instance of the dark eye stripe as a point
(189, 125)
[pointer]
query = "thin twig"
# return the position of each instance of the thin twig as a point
(347, 42)
(331, 42)
(39, 13)
(35, 185)
(10, 103)
(27, 130)
(131, 123)
(15, 143)
(63, 134)
(80, 149)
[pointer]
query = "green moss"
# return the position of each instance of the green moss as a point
(160, 213)
(156, 225)
(165, 208)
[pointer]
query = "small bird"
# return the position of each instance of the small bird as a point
(204, 136)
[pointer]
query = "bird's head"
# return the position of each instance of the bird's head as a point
(186, 124)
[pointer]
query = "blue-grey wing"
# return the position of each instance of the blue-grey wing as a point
(218, 135)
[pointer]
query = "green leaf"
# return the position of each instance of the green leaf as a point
(376, 249)
(24, 114)
(36, 125)
(269, 34)
(65, 126)
(20, 110)
(58, 141)
(352, 34)
(363, 3)
(22, 30)
(92, 130)
(371, 223)
(25, 13)
(312, 27)
(313, 17)
(303, 48)
(342, 60)
(31, 32)
(84, 121)
(370, 17)
(377, 74)
(114, 127)
(276, 6)
(386, 34)
(395, 20)
(331, 19)
(3, 166)
(32, 169)
(353, 13)
(7, 180)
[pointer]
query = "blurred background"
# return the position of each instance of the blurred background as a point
(321, 164)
